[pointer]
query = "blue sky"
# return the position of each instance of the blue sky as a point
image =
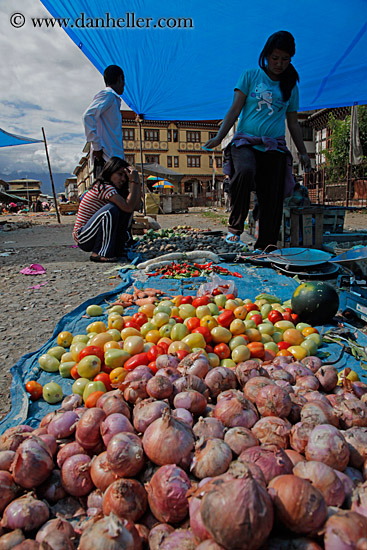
(45, 81)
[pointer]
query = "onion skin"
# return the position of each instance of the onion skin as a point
(271, 430)
(75, 475)
(26, 513)
(110, 533)
(194, 363)
(157, 534)
(328, 378)
(291, 544)
(299, 506)
(352, 412)
(327, 444)
(235, 410)
(101, 473)
(184, 415)
(209, 545)
(94, 503)
(208, 428)
(299, 435)
(11, 540)
(324, 479)
(68, 450)
(249, 369)
(146, 411)
(167, 360)
(58, 533)
(114, 403)
(359, 500)
(191, 400)
(168, 440)
(190, 382)
(159, 387)
(167, 494)
(356, 438)
(239, 439)
(313, 363)
(272, 400)
(113, 424)
(294, 456)
(343, 530)
(30, 544)
(8, 489)
(180, 538)
(126, 498)
(125, 454)
(254, 385)
(271, 460)
(63, 425)
(220, 379)
(13, 437)
(6, 459)
(239, 468)
(212, 458)
(318, 412)
(87, 432)
(32, 463)
(52, 489)
(237, 513)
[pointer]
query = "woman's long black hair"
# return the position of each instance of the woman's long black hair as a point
(281, 40)
(112, 165)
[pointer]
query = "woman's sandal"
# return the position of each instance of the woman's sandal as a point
(102, 260)
(233, 239)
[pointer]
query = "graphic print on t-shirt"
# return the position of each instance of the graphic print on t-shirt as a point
(265, 97)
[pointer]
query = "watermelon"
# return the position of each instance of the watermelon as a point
(315, 302)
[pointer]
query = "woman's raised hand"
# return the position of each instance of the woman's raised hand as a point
(211, 143)
(305, 162)
(132, 174)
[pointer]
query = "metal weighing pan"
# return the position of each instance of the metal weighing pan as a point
(299, 256)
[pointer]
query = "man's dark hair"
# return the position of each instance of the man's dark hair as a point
(281, 40)
(112, 73)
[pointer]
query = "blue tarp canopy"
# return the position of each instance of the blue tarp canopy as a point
(7, 140)
(183, 59)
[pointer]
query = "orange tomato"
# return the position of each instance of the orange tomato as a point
(256, 349)
(192, 323)
(74, 372)
(284, 352)
(253, 334)
(111, 345)
(118, 375)
(222, 350)
(153, 336)
(309, 330)
(240, 312)
(93, 398)
(293, 336)
(34, 389)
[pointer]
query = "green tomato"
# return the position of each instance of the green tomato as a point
(165, 330)
(239, 354)
(187, 310)
(94, 310)
(148, 326)
(49, 363)
(116, 334)
(265, 310)
(65, 368)
(52, 392)
(220, 300)
(277, 336)
(310, 346)
(80, 338)
(116, 309)
(57, 351)
(249, 323)
(235, 342)
(79, 386)
(162, 309)
(91, 387)
(179, 331)
(228, 363)
(271, 346)
(214, 309)
(316, 338)
(89, 366)
(202, 311)
(214, 360)
(166, 303)
(266, 338)
(301, 326)
(266, 328)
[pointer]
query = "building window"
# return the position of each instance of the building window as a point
(128, 134)
(212, 135)
(130, 159)
(193, 137)
(169, 135)
(176, 163)
(175, 135)
(193, 162)
(218, 162)
(307, 133)
(150, 159)
(169, 162)
(151, 135)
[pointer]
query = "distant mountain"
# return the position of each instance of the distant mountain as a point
(43, 177)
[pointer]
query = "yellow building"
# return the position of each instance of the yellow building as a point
(25, 189)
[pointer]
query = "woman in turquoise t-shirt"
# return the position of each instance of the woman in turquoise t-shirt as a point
(257, 158)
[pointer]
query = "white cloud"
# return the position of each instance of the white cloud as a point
(47, 82)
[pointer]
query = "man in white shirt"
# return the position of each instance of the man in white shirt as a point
(102, 120)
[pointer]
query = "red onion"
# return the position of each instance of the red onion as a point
(29, 544)
(126, 498)
(58, 533)
(316, 396)
(94, 503)
(359, 500)
(356, 438)
(276, 373)
(352, 412)
(236, 411)
(135, 391)
(343, 530)
(208, 428)
(191, 400)
(11, 540)
(125, 454)
(157, 534)
(184, 415)
(327, 444)
(297, 369)
(299, 435)
(196, 523)
(299, 506)
(32, 463)
(209, 545)
(285, 385)
(71, 402)
(354, 474)
(75, 475)
(272, 400)
(271, 460)
(294, 457)
(68, 450)
(6, 459)
(318, 412)
(159, 387)
(324, 479)
(249, 369)
(194, 363)
(254, 385)
(63, 425)
(190, 382)
(113, 424)
(167, 361)
(238, 513)
(167, 440)
(50, 442)
(167, 494)
(312, 362)
(180, 538)
(114, 403)
(212, 457)
(52, 489)
(171, 373)
(87, 432)
(140, 373)
(146, 411)
(13, 437)
(282, 360)
(220, 379)
(239, 439)
(8, 489)
(110, 533)
(359, 389)
(101, 472)
(26, 513)
(272, 430)
(240, 468)
(328, 377)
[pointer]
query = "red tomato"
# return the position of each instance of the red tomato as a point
(177, 319)
(103, 377)
(106, 369)
(222, 350)
(257, 318)
(225, 318)
(205, 332)
(34, 389)
(140, 319)
(132, 324)
(216, 292)
(287, 316)
(256, 349)
(201, 301)
(295, 318)
(136, 361)
(230, 296)
(181, 353)
(186, 300)
(163, 348)
(92, 399)
(153, 367)
(283, 345)
(74, 372)
(92, 350)
(275, 316)
(245, 337)
(209, 349)
(251, 307)
(153, 353)
(192, 323)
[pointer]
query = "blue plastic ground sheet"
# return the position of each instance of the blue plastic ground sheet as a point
(255, 280)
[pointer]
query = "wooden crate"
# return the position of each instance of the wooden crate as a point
(334, 217)
(68, 208)
(141, 223)
(302, 227)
